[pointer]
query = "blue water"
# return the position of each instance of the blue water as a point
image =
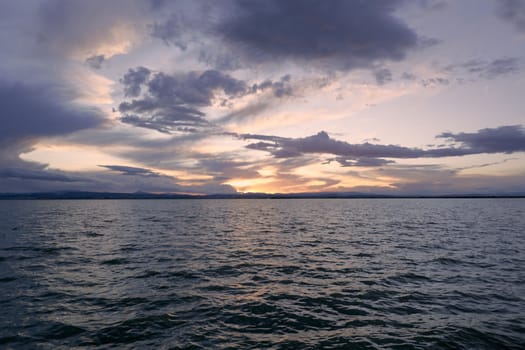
(250, 274)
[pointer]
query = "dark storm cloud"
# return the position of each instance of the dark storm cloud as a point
(37, 111)
(170, 103)
(129, 170)
(349, 33)
(339, 34)
(513, 11)
(28, 114)
(505, 139)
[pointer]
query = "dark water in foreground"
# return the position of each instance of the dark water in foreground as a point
(280, 274)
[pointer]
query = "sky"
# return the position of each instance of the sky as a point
(400, 97)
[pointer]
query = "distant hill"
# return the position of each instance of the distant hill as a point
(92, 195)
(145, 195)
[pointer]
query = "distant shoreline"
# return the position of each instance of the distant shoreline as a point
(127, 196)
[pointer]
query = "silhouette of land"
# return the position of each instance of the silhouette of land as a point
(146, 195)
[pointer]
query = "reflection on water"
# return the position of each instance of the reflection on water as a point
(337, 273)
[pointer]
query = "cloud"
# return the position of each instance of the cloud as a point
(194, 88)
(336, 34)
(513, 11)
(84, 29)
(129, 170)
(349, 34)
(408, 76)
(187, 21)
(279, 88)
(433, 5)
(190, 88)
(95, 61)
(501, 66)
(168, 120)
(25, 180)
(362, 162)
(321, 143)
(437, 180)
(488, 69)
(383, 76)
(504, 139)
(224, 169)
(39, 111)
(247, 113)
(484, 165)
(171, 31)
(134, 79)
(18, 175)
(40, 175)
(430, 82)
(22, 176)
(170, 103)
(144, 179)
(29, 114)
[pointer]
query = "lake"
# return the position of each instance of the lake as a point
(263, 273)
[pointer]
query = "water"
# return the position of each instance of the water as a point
(247, 274)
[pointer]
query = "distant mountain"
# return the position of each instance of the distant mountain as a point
(146, 195)
(93, 195)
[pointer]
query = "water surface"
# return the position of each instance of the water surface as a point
(279, 274)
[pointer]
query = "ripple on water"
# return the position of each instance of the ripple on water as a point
(279, 274)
